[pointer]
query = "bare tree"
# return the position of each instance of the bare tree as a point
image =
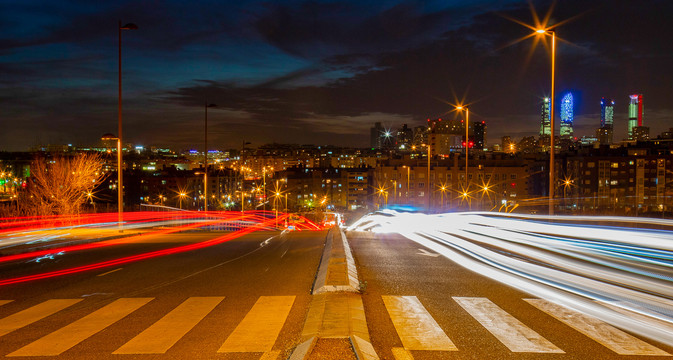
(61, 185)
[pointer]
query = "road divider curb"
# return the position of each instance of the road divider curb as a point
(337, 271)
(336, 309)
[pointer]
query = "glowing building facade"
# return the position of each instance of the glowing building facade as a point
(567, 116)
(545, 121)
(635, 113)
(607, 112)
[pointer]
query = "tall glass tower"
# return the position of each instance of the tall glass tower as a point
(607, 112)
(635, 113)
(567, 116)
(545, 121)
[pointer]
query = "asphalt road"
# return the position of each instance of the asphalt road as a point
(395, 267)
(263, 271)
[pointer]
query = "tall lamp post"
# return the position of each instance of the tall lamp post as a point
(429, 186)
(551, 117)
(467, 138)
(120, 186)
(205, 159)
(408, 180)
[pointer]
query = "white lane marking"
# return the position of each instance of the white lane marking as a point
(401, 354)
(3, 302)
(258, 330)
(109, 272)
(266, 242)
(63, 339)
(163, 334)
(270, 355)
(283, 254)
(604, 333)
(506, 328)
(415, 326)
(94, 294)
(33, 314)
(426, 253)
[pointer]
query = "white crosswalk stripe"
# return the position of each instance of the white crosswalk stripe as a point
(607, 335)
(506, 328)
(65, 338)
(258, 331)
(417, 329)
(163, 334)
(33, 314)
(262, 324)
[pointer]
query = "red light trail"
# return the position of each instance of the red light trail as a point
(262, 221)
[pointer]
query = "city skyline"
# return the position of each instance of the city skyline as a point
(316, 72)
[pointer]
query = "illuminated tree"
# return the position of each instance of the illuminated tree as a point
(61, 185)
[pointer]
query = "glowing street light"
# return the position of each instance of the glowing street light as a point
(408, 179)
(467, 137)
(120, 189)
(429, 188)
(182, 195)
(443, 190)
(385, 196)
(205, 159)
(543, 32)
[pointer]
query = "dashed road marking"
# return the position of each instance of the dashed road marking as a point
(109, 272)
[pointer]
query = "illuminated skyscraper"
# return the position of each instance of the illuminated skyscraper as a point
(635, 113)
(567, 116)
(607, 112)
(545, 122)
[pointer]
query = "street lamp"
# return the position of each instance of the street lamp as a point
(120, 189)
(182, 195)
(408, 179)
(384, 192)
(429, 187)
(467, 138)
(275, 204)
(107, 137)
(551, 116)
(442, 189)
(205, 159)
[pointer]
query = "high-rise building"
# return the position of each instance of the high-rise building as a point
(607, 112)
(635, 113)
(567, 116)
(404, 137)
(545, 122)
(479, 135)
(604, 133)
(420, 135)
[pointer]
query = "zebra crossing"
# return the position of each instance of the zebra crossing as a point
(260, 328)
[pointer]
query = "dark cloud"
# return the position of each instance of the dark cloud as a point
(311, 71)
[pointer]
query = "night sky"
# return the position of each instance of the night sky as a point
(319, 72)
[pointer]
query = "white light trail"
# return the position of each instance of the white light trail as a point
(571, 261)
